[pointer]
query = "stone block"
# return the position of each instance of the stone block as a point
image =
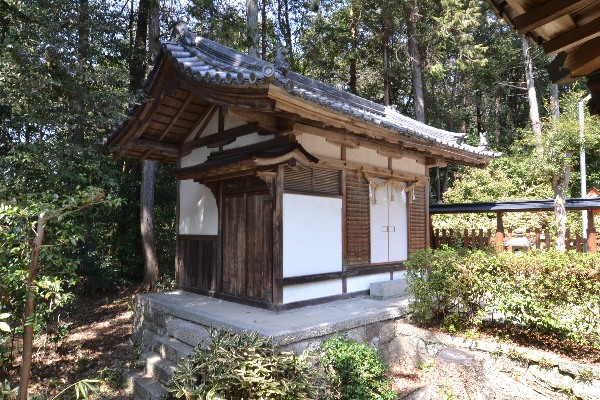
(388, 289)
(188, 332)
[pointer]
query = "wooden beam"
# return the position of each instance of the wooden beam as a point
(166, 148)
(376, 171)
(573, 38)
(176, 117)
(202, 123)
(585, 59)
(226, 135)
(547, 12)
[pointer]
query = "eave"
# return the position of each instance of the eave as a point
(568, 30)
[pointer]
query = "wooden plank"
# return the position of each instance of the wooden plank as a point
(584, 60)
(176, 117)
(357, 212)
(573, 38)
(278, 235)
(547, 12)
(357, 270)
(228, 134)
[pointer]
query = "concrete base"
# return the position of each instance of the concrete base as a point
(387, 290)
(168, 326)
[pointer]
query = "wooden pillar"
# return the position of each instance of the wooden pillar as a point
(499, 232)
(278, 236)
(591, 233)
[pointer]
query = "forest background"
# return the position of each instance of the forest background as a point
(69, 70)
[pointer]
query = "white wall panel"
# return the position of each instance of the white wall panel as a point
(247, 140)
(312, 235)
(379, 223)
(319, 146)
(399, 275)
(198, 214)
(410, 165)
(309, 291)
(197, 156)
(358, 283)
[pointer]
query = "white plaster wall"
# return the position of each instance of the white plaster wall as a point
(363, 155)
(410, 165)
(197, 156)
(399, 275)
(198, 213)
(233, 122)
(310, 291)
(319, 146)
(358, 283)
(247, 140)
(312, 235)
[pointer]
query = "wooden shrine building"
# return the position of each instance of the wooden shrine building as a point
(289, 191)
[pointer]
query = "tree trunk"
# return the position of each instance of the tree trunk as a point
(534, 113)
(252, 22)
(416, 71)
(151, 271)
(497, 114)
(352, 81)
(30, 310)
(137, 64)
(153, 31)
(560, 184)
(283, 16)
(554, 105)
(83, 45)
(263, 13)
(385, 40)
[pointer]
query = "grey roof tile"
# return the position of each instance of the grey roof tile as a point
(214, 63)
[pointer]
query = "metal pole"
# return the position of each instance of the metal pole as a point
(582, 168)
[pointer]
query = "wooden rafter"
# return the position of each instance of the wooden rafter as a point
(547, 12)
(176, 117)
(582, 61)
(573, 38)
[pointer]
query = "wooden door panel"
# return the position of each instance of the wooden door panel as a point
(259, 245)
(234, 245)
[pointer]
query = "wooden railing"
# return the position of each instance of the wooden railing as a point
(474, 239)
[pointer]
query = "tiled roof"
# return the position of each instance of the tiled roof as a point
(212, 63)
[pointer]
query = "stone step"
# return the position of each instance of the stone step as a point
(386, 290)
(173, 349)
(188, 332)
(157, 367)
(145, 388)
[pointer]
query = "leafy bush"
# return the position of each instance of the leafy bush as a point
(246, 366)
(356, 371)
(548, 291)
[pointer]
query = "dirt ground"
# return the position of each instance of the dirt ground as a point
(97, 347)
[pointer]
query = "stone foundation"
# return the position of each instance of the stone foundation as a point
(168, 326)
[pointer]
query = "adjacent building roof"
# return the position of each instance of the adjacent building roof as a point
(211, 72)
(568, 30)
(514, 206)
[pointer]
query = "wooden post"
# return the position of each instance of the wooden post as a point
(510, 237)
(278, 235)
(499, 232)
(591, 236)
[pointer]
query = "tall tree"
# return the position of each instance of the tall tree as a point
(147, 22)
(411, 11)
(534, 112)
(252, 21)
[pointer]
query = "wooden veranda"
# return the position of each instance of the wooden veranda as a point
(480, 239)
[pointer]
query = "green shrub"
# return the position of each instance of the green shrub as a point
(246, 366)
(547, 291)
(356, 371)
